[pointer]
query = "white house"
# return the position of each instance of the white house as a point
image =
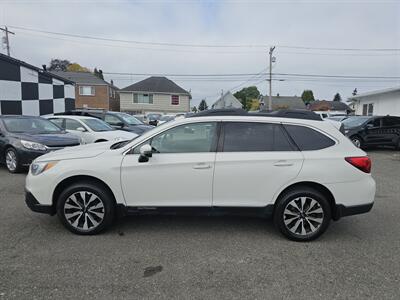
(377, 103)
(227, 101)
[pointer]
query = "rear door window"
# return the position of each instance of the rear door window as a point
(72, 124)
(391, 122)
(249, 137)
(307, 138)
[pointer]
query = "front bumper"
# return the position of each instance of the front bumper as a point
(343, 211)
(26, 157)
(35, 206)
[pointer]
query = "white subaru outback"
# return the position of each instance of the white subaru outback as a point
(303, 173)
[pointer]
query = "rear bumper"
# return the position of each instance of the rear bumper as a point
(35, 206)
(343, 211)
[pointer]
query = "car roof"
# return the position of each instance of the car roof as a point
(19, 117)
(74, 117)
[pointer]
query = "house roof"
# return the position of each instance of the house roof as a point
(328, 105)
(156, 84)
(39, 70)
(377, 92)
(81, 77)
(284, 102)
(226, 101)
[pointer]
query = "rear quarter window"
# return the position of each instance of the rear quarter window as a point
(307, 138)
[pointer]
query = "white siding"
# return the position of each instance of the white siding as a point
(161, 103)
(384, 104)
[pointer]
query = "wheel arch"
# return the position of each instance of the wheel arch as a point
(314, 185)
(79, 178)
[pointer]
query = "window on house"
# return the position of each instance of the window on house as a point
(143, 98)
(365, 109)
(86, 90)
(370, 109)
(174, 99)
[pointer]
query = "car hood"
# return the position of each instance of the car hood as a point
(51, 139)
(118, 134)
(83, 151)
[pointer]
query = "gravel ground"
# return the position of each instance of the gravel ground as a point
(202, 257)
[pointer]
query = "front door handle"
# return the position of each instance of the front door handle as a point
(283, 163)
(200, 166)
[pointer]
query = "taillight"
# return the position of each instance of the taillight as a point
(362, 163)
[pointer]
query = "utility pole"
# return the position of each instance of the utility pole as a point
(271, 60)
(7, 41)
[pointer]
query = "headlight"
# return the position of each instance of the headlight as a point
(39, 167)
(33, 145)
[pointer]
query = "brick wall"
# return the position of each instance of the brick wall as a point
(99, 100)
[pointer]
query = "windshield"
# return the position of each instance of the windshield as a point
(129, 119)
(30, 125)
(355, 121)
(167, 118)
(97, 125)
(154, 117)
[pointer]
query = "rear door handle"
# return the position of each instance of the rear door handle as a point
(283, 163)
(200, 166)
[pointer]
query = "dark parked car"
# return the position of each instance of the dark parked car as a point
(153, 118)
(22, 139)
(117, 120)
(367, 131)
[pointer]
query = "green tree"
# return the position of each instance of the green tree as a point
(247, 95)
(354, 92)
(194, 109)
(57, 64)
(75, 67)
(203, 105)
(307, 96)
(337, 97)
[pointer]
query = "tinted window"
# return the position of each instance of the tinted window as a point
(198, 137)
(58, 122)
(240, 137)
(307, 138)
(391, 121)
(72, 124)
(375, 122)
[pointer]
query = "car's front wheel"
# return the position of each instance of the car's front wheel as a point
(357, 141)
(12, 161)
(302, 214)
(85, 208)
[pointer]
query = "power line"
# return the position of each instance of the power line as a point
(192, 45)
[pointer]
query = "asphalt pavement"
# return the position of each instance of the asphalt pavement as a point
(164, 257)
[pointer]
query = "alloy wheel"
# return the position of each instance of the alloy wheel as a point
(303, 216)
(356, 142)
(11, 160)
(84, 211)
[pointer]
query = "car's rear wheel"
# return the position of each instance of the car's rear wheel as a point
(85, 208)
(302, 214)
(12, 161)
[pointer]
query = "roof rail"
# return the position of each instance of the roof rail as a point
(283, 113)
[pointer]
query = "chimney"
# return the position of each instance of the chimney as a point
(44, 67)
(112, 82)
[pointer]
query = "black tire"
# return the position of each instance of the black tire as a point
(11, 151)
(357, 141)
(300, 224)
(89, 214)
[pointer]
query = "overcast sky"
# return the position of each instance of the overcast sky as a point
(330, 24)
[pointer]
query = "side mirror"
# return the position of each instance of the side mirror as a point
(369, 126)
(120, 124)
(145, 153)
(81, 129)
